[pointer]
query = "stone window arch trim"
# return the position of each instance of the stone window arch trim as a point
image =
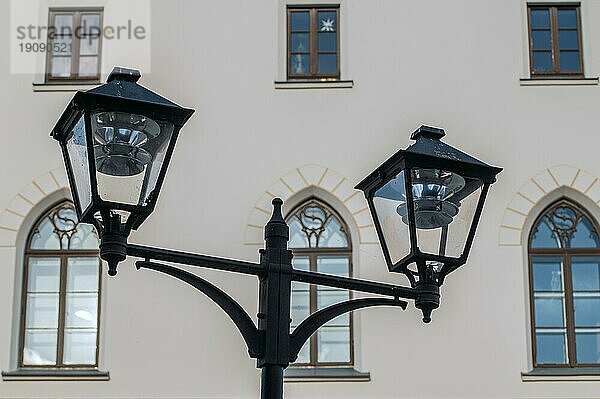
(296, 185)
(540, 191)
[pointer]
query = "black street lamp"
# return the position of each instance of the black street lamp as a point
(426, 202)
(117, 142)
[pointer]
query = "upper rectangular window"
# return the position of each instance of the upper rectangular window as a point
(555, 40)
(75, 41)
(313, 43)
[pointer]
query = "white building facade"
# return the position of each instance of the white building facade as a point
(301, 100)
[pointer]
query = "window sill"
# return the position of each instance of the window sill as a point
(558, 81)
(325, 374)
(55, 375)
(63, 87)
(562, 374)
(314, 84)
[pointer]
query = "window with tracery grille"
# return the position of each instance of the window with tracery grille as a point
(564, 270)
(321, 243)
(61, 290)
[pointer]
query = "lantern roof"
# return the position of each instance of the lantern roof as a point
(429, 151)
(121, 92)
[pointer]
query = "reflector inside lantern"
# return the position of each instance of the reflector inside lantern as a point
(121, 142)
(432, 190)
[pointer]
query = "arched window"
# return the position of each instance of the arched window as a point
(564, 270)
(61, 289)
(321, 243)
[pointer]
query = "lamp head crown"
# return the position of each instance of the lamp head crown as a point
(127, 74)
(430, 132)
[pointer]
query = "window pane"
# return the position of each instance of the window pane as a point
(42, 311)
(85, 237)
(586, 273)
(90, 23)
(300, 43)
(43, 275)
(327, 41)
(61, 67)
(82, 310)
(541, 40)
(80, 347)
(83, 274)
(304, 355)
(567, 19)
(300, 307)
(569, 61)
(549, 312)
(550, 348)
(327, 63)
(587, 311)
(544, 237)
(299, 64)
(337, 265)
(298, 237)
(40, 348)
(44, 236)
(299, 21)
(568, 40)
(62, 45)
(301, 263)
(88, 66)
(588, 347)
(333, 235)
(542, 61)
(63, 24)
(585, 235)
(327, 21)
(547, 274)
(89, 46)
(540, 18)
(328, 297)
(334, 344)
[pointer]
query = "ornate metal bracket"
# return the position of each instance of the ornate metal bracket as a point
(235, 312)
(312, 323)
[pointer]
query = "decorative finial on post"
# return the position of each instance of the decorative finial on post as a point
(277, 232)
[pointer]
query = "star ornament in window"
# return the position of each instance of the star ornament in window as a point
(327, 25)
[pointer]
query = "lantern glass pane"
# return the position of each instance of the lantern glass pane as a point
(387, 200)
(78, 155)
(129, 150)
(444, 206)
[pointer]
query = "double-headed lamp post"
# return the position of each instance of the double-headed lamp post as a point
(117, 141)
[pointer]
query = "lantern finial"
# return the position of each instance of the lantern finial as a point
(430, 132)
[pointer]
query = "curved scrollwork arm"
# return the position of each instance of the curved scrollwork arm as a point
(235, 312)
(312, 323)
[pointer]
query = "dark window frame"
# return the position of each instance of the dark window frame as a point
(555, 49)
(64, 256)
(313, 254)
(566, 255)
(75, 56)
(313, 32)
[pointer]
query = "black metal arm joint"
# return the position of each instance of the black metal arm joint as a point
(354, 284)
(313, 322)
(252, 336)
(192, 259)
